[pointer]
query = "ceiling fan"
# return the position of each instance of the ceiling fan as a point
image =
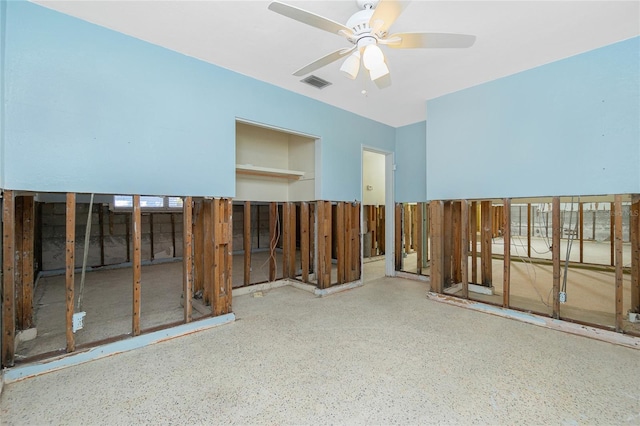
(366, 30)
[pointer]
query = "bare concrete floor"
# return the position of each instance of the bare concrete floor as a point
(379, 354)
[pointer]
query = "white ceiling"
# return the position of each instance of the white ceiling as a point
(246, 37)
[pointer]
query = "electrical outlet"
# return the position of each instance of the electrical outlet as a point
(563, 297)
(78, 320)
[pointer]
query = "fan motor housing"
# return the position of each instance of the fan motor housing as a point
(359, 22)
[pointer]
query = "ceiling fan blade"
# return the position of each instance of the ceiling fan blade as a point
(387, 11)
(428, 40)
(325, 60)
(309, 18)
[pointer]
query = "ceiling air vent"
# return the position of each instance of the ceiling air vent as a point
(316, 82)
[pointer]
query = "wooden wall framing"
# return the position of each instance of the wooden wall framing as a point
(323, 210)
(634, 234)
(8, 279)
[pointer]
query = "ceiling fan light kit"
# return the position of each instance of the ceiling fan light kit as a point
(366, 29)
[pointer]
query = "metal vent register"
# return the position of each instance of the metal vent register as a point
(316, 82)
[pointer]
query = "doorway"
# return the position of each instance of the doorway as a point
(377, 213)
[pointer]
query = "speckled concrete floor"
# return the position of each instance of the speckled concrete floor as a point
(379, 354)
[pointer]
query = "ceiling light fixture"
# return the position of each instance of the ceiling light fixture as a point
(351, 65)
(372, 57)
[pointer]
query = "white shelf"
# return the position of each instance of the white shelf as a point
(250, 169)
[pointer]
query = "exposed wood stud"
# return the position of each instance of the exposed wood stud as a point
(464, 246)
(136, 227)
(246, 242)
(8, 279)
(618, 261)
(208, 253)
(28, 255)
(398, 237)
(273, 239)
(456, 254)
(127, 227)
(70, 268)
(327, 228)
(18, 203)
(634, 236)
(340, 234)
(612, 232)
(581, 230)
(101, 227)
(355, 238)
(289, 240)
(436, 214)
(187, 257)
(419, 238)
(173, 233)
(286, 240)
(530, 231)
(198, 247)
(305, 248)
(474, 241)
(406, 222)
(447, 246)
(485, 243)
(222, 240)
(506, 235)
(151, 235)
(555, 250)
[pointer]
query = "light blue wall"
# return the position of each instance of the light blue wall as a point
(569, 127)
(92, 110)
(410, 163)
(3, 33)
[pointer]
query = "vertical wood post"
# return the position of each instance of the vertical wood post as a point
(407, 228)
(187, 257)
(634, 236)
(447, 246)
(398, 237)
(286, 240)
(291, 224)
(246, 242)
(222, 255)
(207, 255)
(485, 244)
(419, 238)
(612, 227)
(464, 247)
(529, 230)
(273, 239)
(355, 238)
(474, 241)
(506, 236)
(555, 250)
(324, 244)
(456, 273)
(198, 248)
(305, 252)
(341, 252)
(581, 230)
(70, 268)
(8, 279)
(618, 260)
(28, 236)
(437, 245)
(18, 290)
(101, 230)
(136, 227)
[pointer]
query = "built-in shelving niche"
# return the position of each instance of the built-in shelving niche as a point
(273, 166)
